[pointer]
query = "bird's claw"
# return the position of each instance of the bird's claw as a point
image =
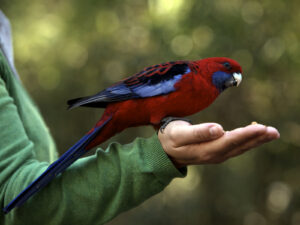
(165, 121)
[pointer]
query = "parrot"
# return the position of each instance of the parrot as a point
(154, 96)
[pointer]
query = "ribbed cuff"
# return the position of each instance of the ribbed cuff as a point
(159, 162)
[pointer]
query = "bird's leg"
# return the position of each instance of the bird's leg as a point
(165, 121)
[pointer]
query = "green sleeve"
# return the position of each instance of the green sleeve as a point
(93, 190)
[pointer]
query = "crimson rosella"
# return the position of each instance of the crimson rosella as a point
(173, 89)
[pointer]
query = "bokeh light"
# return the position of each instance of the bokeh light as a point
(273, 49)
(279, 197)
(252, 11)
(254, 218)
(182, 45)
(203, 36)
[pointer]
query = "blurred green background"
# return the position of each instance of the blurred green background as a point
(67, 49)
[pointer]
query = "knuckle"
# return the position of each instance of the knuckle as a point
(261, 131)
(233, 144)
(174, 143)
(206, 157)
(200, 134)
(172, 133)
(212, 158)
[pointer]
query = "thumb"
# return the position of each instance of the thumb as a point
(184, 134)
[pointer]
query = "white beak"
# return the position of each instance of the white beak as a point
(238, 78)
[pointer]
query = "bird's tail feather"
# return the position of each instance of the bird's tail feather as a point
(55, 168)
(72, 103)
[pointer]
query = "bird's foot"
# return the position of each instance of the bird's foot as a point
(165, 121)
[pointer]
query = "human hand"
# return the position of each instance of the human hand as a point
(208, 143)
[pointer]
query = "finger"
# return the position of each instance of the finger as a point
(228, 142)
(271, 134)
(236, 138)
(235, 141)
(190, 134)
(246, 147)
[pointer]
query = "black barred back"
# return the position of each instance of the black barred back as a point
(155, 74)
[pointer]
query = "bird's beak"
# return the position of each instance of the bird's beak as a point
(235, 80)
(238, 78)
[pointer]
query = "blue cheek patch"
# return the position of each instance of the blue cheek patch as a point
(219, 78)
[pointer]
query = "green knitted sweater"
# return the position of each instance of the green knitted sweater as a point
(93, 190)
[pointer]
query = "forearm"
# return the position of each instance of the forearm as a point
(93, 190)
(97, 188)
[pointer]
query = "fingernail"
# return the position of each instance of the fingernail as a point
(215, 131)
(274, 134)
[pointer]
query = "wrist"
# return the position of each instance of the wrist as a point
(177, 163)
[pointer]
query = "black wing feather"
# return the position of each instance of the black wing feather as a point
(122, 90)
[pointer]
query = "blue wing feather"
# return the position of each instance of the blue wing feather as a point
(153, 81)
(162, 88)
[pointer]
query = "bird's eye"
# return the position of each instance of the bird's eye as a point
(227, 65)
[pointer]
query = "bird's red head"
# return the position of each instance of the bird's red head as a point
(222, 72)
